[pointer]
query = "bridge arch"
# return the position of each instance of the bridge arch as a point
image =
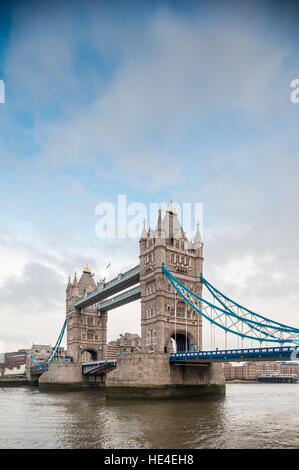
(92, 352)
(180, 342)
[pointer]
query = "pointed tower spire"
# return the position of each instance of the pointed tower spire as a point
(87, 270)
(69, 285)
(75, 282)
(75, 289)
(197, 238)
(159, 224)
(144, 234)
(171, 209)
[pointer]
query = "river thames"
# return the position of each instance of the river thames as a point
(249, 416)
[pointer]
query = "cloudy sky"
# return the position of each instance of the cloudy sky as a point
(156, 100)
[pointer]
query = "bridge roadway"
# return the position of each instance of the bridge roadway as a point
(196, 358)
(235, 355)
(119, 283)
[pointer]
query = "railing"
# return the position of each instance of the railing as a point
(118, 298)
(284, 351)
(88, 367)
(38, 370)
(43, 366)
(121, 277)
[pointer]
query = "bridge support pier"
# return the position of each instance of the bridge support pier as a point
(61, 376)
(143, 375)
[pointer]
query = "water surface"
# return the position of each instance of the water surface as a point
(249, 416)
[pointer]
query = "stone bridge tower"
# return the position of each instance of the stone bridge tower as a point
(86, 327)
(168, 323)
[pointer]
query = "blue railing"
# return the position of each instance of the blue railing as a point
(136, 291)
(119, 279)
(227, 354)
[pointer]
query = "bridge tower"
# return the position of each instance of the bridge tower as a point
(169, 324)
(86, 327)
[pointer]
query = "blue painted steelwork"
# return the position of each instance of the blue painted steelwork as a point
(54, 350)
(39, 369)
(98, 367)
(213, 289)
(267, 327)
(122, 278)
(239, 355)
(121, 299)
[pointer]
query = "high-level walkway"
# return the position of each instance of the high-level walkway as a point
(119, 283)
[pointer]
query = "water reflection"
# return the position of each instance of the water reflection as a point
(261, 415)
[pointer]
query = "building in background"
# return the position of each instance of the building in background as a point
(15, 372)
(125, 343)
(15, 359)
(251, 370)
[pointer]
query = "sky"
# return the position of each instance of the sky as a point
(156, 100)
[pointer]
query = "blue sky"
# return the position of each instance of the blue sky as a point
(156, 100)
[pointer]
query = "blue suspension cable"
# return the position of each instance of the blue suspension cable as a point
(286, 328)
(54, 350)
(172, 279)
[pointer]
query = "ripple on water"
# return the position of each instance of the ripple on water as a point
(250, 416)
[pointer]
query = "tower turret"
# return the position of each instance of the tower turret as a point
(167, 322)
(75, 288)
(69, 285)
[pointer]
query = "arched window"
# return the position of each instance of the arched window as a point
(90, 335)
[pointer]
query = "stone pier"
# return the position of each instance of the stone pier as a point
(61, 376)
(143, 375)
(68, 377)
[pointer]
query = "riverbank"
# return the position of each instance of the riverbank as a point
(13, 381)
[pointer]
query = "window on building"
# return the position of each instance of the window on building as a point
(90, 335)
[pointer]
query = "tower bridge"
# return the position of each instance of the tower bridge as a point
(169, 281)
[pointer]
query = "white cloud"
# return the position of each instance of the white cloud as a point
(145, 123)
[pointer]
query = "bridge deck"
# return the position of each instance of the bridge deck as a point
(121, 299)
(119, 283)
(97, 367)
(236, 355)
